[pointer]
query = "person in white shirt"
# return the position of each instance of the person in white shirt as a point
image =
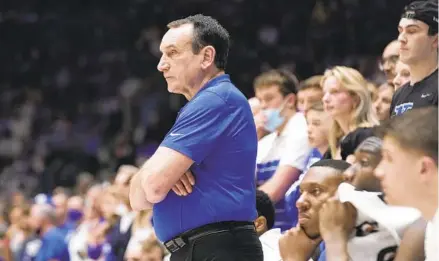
(282, 153)
(264, 223)
(408, 170)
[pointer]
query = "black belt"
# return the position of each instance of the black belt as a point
(185, 238)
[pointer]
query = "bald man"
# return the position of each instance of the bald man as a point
(388, 60)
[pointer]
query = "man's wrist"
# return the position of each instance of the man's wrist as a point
(336, 249)
(335, 236)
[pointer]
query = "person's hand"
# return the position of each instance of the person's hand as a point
(295, 245)
(336, 220)
(183, 187)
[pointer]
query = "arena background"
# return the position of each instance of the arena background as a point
(80, 91)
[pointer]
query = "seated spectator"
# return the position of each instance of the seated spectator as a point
(361, 176)
(402, 75)
(383, 101)
(408, 170)
(281, 154)
(153, 250)
(323, 217)
(59, 200)
(141, 230)
(49, 244)
(366, 158)
(373, 90)
(75, 211)
(310, 92)
(19, 229)
(319, 123)
(389, 59)
(349, 103)
(264, 223)
(91, 218)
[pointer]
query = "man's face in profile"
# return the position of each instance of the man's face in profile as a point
(318, 185)
(388, 60)
(415, 43)
(179, 65)
(361, 173)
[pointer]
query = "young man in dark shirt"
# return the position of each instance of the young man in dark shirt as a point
(418, 39)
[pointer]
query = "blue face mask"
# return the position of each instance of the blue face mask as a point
(274, 119)
(74, 215)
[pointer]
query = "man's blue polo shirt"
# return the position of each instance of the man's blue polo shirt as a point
(217, 131)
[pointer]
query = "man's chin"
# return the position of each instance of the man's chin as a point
(309, 233)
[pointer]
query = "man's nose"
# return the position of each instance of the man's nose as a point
(325, 98)
(301, 203)
(349, 174)
(162, 66)
(396, 80)
(401, 38)
(379, 172)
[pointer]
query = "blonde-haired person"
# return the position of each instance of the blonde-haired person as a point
(384, 100)
(402, 76)
(141, 230)
(348, 101)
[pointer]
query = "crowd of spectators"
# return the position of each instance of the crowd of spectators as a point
(81, 99)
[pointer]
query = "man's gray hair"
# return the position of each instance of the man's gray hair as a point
(47, 211)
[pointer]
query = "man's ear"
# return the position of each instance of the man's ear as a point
(291, 101)
(261, 225)
(208, 56)
(428, 170)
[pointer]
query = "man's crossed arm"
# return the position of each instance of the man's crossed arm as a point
(165, 170)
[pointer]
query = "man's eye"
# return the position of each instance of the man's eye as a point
(172, 53)
(364, 163)
(316, 191)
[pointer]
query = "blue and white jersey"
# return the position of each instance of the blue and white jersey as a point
(287, 148)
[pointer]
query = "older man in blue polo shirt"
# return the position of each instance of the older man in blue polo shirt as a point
(214, 138)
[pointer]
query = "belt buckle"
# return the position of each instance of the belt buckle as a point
(175, 244)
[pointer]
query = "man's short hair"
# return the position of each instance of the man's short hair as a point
(62, 191)
(425, 11)
(207, 31)
(371, 145)
(286, 81)
(312, 82)
(415, 130)
(317, 106)
(265, 208)
(48, 212)
(339, 165)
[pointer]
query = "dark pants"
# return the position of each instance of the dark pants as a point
(230, 245)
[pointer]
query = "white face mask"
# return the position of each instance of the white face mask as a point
(121, 210)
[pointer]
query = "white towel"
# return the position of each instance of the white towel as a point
(432, 239)
(379, 227)
(270, 244)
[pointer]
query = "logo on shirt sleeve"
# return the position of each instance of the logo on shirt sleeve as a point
(402, 108)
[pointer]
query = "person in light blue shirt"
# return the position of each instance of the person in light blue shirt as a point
(200, 181)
